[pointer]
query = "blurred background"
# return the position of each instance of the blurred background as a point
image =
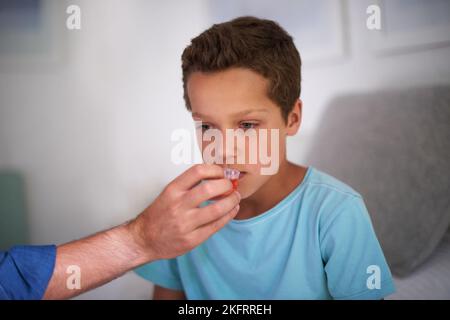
(86, 115)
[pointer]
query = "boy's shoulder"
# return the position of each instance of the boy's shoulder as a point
(328, 197)
(325, 184)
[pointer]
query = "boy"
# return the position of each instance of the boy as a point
(299, 233)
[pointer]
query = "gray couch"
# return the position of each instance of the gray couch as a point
(393, 147)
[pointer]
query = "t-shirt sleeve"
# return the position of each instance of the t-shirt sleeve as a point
(354, 262)
(25, 272)
(164, 273)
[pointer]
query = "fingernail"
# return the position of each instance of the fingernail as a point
(239, 195)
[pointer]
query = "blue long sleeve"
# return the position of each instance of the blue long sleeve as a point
(25, 271)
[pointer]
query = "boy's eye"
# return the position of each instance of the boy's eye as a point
(248, 125)
(204, 127)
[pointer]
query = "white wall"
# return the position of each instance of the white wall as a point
(91, 132)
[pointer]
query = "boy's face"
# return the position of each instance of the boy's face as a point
(237, 99)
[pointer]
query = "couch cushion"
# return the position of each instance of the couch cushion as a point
(394, 148)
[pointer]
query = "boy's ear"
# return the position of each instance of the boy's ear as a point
(294, 118)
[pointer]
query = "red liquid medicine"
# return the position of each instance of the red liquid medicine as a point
(235, 183)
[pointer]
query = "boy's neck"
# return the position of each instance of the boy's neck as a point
(273, 191)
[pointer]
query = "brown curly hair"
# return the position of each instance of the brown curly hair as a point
(257, 44)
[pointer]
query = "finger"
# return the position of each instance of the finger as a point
(195, 174)
(214, 211)
(206, 231)
(206, 190)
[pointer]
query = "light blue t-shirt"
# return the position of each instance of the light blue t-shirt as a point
(317, 243)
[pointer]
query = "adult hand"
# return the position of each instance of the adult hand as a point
(174, 223)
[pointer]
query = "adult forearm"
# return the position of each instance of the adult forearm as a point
(171, 226)
(97, 259)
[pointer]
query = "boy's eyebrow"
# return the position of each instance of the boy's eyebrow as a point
(245, 112)
(240, 113)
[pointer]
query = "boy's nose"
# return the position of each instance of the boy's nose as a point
(228, 151)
